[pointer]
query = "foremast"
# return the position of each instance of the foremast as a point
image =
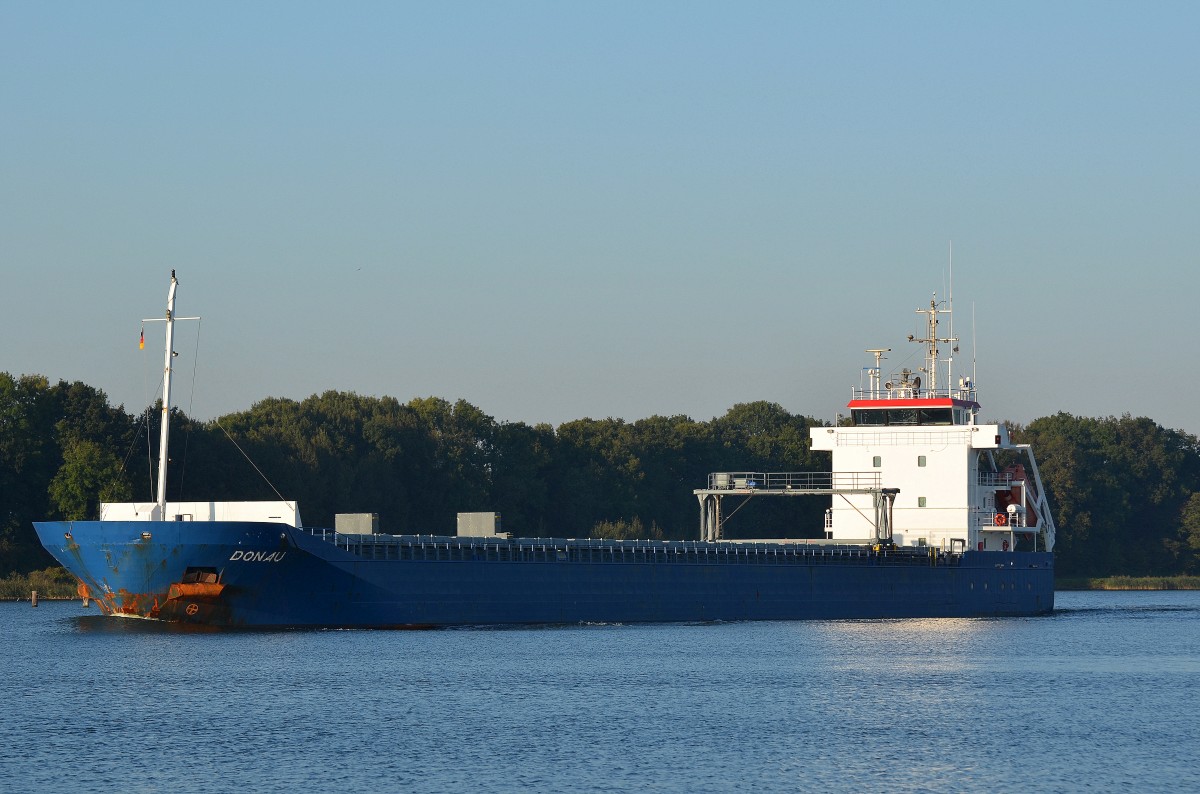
(164, 436)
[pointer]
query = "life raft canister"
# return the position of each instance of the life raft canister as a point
(1001, 519)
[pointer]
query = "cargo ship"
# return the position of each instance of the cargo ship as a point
(931, 514)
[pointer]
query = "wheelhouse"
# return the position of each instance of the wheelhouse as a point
(933, 413)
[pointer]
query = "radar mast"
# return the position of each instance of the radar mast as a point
(931, 341)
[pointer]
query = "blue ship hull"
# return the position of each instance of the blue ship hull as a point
(250, 574)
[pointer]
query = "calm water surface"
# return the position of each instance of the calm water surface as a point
(1102, 696)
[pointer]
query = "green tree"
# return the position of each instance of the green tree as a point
(675, 454)
(626, 530)
(90, 474)
(1117, 488)
(39, 424)
(596, 476)
(1125, 491)
(522, 471)
(1189, 534)
(28, 459)
(764, 437)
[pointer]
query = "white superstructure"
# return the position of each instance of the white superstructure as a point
(280, 512)
(961, 485)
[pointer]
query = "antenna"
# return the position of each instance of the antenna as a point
(954, 347)
(974, 341)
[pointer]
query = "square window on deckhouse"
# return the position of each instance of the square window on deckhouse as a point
(920, 460)
(877, 461)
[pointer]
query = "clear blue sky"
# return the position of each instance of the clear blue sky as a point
(557, 210)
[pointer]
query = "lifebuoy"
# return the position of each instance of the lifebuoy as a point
(1001, 519)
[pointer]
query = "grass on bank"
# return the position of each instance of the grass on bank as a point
(51, 583)
(1130, 583)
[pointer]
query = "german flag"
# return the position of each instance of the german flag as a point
(142, 340)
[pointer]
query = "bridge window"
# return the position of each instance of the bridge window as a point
(877, 417)
(869, 418)
(936, 416)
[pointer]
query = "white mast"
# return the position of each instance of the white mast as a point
(165, 434)
(931, 340)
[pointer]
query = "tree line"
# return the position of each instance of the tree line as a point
(1125, 492)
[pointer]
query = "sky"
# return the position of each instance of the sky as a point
(563, 210)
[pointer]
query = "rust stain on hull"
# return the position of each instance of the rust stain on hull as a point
(195, 590)
(123, 602)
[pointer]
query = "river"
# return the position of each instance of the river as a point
(1103, 695)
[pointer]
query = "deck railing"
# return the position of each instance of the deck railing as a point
(1005, 480)
(793, 481)
(436, 548)
(908, 392)
(992, 479)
